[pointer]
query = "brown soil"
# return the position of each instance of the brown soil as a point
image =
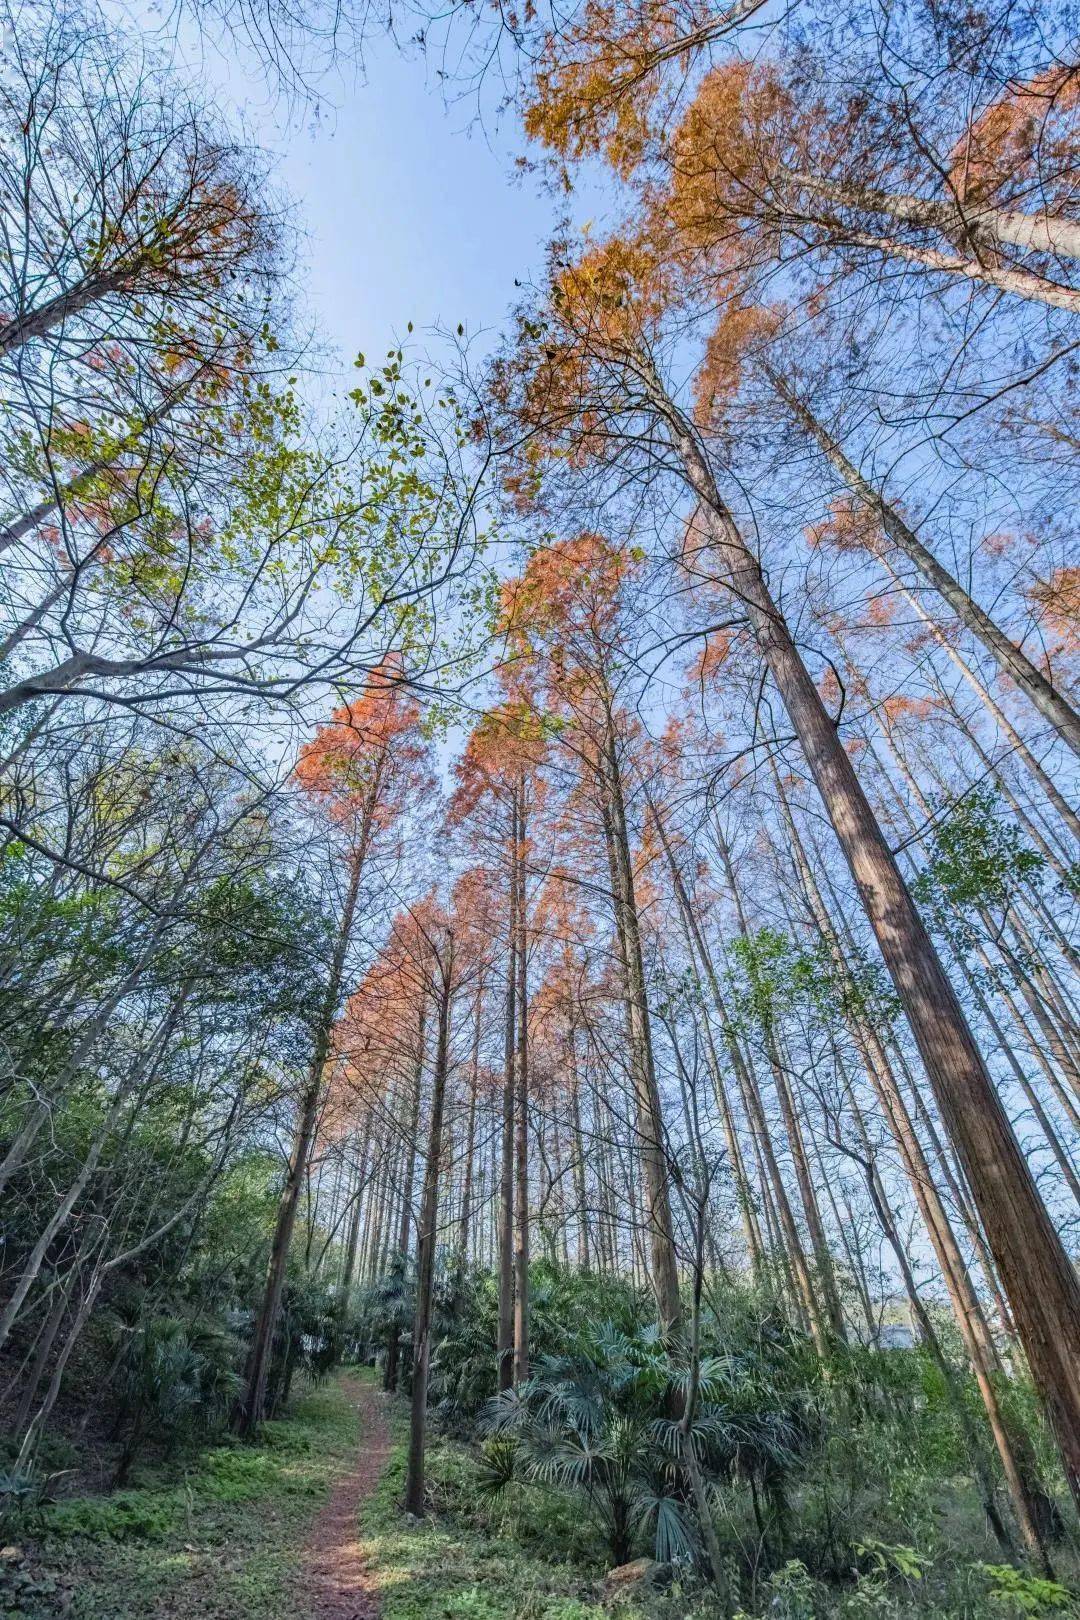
(337, 1584)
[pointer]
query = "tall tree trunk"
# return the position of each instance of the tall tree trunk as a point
(409, 1147)
(470, 1138)
(352, 1241)
(521, 1129)
(994, 709)
(426, 1235)
(1039, 1280)
(251, 1407)
(723, 1102)
(505, 1343)
(1003, 278)
(650, 1125)
(578, 1144)
(978, 221)
(772, 1181)
(1013, 1450)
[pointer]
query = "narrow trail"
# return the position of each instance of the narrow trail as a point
(337, 1582)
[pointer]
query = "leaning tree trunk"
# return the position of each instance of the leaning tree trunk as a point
(1040, 692)
(251, 1407)
(1027, 1498)
(723, 1102)
(981, 222)
(994, 709)
(1040, 1283)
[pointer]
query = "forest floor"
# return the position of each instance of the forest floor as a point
(237, 1532)
(307, 1524)
(304, 1525)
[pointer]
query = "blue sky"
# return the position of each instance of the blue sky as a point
(409, 211)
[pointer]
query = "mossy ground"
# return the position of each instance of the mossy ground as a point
(218, 1537)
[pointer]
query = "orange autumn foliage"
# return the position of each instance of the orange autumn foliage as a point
(711, 659)
(1058, 598)
(599, 310)
(372, 745)
(506, 745)
(597, 78)
(741, 128)
(610, 75)
(739, 328)
(572, 585)
(880, 611)
(849, 527)
(1022, 137)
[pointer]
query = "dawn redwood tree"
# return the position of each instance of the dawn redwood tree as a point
(565, 615)
(584, 381)
(763, 165)
(861, 140)
(501, 769)
(447, 951)
(1030, 1503)
(359, 772)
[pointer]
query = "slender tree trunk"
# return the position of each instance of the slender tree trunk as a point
(581, 1197)
(650, 1125)
(1050, 855)
(35, 323)
(505, 1345)
(470, 1137)
(974, 1445)
(426, 1236)
(251, 1408)
(393, 1348)
(1012, 1448)
(352, 1242)
(994, 709)
(790, 1247)
(980, 222)
(723, 1102)
(1003, 278)
(71, 490)
(521, 1131)
(43, 1348)
(1039, 691)
(823, 1262)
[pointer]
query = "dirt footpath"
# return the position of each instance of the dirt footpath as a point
(337, 1583)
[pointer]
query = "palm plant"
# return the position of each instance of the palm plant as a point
(560, 1431)
(605, 1420)
(173, 1373)
(583, 1422)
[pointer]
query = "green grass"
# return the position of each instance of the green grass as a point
(222, 1538)
(219, 1539)
(531, 1556)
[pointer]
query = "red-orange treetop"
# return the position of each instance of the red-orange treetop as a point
(371, 755)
